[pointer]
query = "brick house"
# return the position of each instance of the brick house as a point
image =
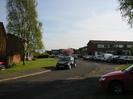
(14, 46)
(2, 40)
(83, 50)
(10, 46)
(115, 47)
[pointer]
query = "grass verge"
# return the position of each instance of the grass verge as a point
(34, 64)
(122, 67)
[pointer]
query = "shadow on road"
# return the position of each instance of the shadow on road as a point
(53, 68)
(60, 89)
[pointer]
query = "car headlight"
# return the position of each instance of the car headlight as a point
(67, 63)
(102, 78)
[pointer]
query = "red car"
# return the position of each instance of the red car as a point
(2, 64)
(119, 81)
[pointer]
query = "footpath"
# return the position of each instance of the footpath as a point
(7, 76)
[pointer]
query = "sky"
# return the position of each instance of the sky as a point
(72, 23)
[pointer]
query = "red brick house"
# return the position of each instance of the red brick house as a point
(2, 40)
(14, 46)
(114, 47)
(10, 46)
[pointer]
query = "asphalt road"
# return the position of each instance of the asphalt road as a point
(79, 83)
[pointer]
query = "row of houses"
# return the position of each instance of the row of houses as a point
(58, 52)
(95, 47)
(10, 46)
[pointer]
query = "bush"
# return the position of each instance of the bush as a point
(43, 55)
(51, 56)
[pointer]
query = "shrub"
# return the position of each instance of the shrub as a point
(43, 55)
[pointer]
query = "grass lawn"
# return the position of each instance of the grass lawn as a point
(29, 67)
(122, 67)
(35, 64)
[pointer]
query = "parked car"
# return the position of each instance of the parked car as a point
(118, 81)
(114, 59)
(107, 57)
(86, 57)
(98, 58)
(125, 59)
(66, 62)
(2, 65)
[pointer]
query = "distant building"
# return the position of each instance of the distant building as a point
(115, 47)
(49, 52)
(56, 52)
(83, 50)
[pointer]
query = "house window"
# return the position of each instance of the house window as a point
(126, 52)
(100, 46)
(116, 46)
(107, 46)
(119, 46)
(129, 46)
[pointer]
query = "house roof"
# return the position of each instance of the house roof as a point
(110, 42)
(83, 47)
(14, 37)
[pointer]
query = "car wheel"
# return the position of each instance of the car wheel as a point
(57, 68)
(74, 65)
(116, 88)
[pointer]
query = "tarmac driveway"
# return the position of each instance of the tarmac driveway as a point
(78, 83)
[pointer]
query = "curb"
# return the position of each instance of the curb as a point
(32, 74)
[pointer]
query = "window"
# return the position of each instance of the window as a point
(100, 46)
(107, 46)
(126, 52)
(118, 46)
(129, 46)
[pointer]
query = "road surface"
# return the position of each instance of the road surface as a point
(79, 83)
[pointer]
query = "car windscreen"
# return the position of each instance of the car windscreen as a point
(64, 59)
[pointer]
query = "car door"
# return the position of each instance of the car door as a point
(129, 80)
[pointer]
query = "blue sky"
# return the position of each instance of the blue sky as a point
(72, 23)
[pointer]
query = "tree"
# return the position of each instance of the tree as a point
(126, 8)
(23, 23)
(68, 51)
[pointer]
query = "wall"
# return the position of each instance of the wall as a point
(2, 40)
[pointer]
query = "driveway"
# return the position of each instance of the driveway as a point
(78, 83)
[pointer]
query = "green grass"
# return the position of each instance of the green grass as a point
(122, 67)
(35, 64)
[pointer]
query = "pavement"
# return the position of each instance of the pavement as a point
(23, 75)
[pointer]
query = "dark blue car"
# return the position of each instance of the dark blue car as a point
(66, 62)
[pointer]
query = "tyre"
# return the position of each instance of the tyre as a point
(116, 88)
(74, 65)
(57, 67)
